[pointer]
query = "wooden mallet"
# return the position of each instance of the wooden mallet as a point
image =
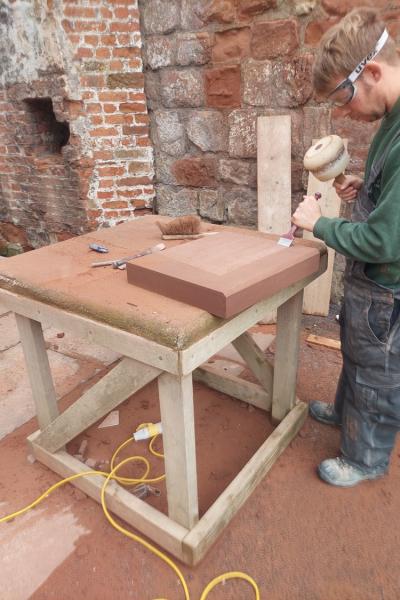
(327, 159)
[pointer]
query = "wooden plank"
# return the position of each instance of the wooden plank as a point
(255, 360)
(286, 356)
(274, 173)
(177, 417)
(117, 385)
(324, 341)
(125, 343)
(37, 364)
(202, 536)
(199, 352)
(143, 517)
(317, 295)
(249, 392)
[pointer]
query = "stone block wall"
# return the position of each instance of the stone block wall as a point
(75, 152)
(211, 68)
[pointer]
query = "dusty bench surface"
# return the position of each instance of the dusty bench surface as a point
(60, 275)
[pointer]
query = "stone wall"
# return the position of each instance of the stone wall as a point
(212, 67)
(75, 152)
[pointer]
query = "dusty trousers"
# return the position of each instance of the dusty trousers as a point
(368, 392)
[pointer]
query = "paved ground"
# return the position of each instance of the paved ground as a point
(298, 537)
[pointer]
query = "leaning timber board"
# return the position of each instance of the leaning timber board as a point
(224, 273)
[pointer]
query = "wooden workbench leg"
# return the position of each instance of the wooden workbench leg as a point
(177, 417)
(286, 356)
(37, 364)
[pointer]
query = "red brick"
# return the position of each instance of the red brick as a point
(84, 53)
(91, 40)
(121, 13)
(105, 195)
(145, 119)
(104, 132)
(101, 155)
(111, 170)
(274, 38)
(116, 65)
(126, 52)
(89, 26)
(113, 96)
(143, 142)
(96, 120)
(115, 204)
(316, 29)
(231, 44)
(128, 181)
(110, 108)
(133, 107)
(222, 87)
(103, 53)
(106, 13)
(79, 11)
(125, 80)
(118, 119)
(93, 81)
(107, 40)
(341, 7)
(120, 26)
(106, 183)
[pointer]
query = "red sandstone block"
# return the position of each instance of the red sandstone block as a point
(104, 132)
(223, 87)
(231, 44)
(316, 29)
(195, 171)
(274, 38)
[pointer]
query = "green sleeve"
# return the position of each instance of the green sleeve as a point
(378, 239)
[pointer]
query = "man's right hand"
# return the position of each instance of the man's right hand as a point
(348, 189)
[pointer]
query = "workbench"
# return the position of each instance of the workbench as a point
(161, 339)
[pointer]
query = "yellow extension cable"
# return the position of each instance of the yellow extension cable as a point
(133, 481)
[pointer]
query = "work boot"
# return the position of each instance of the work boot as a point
(324, 413)
(339, 472)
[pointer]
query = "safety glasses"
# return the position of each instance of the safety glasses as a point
(346, 90)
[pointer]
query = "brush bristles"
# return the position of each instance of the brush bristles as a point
(189, 225)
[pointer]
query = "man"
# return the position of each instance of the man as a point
(358, 69)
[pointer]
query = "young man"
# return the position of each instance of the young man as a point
(358, 70)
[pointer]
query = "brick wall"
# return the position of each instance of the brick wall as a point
(81, 61)
(212, 67)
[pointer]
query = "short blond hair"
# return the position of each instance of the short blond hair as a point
(345, 44)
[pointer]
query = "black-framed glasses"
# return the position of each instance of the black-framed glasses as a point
(345, 91)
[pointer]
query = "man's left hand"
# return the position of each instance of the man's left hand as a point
(307, 213)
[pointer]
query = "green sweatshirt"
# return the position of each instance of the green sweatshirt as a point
(377, 241)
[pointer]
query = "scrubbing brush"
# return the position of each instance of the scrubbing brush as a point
(182, 228)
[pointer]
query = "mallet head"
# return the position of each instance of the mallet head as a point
(327, 159)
